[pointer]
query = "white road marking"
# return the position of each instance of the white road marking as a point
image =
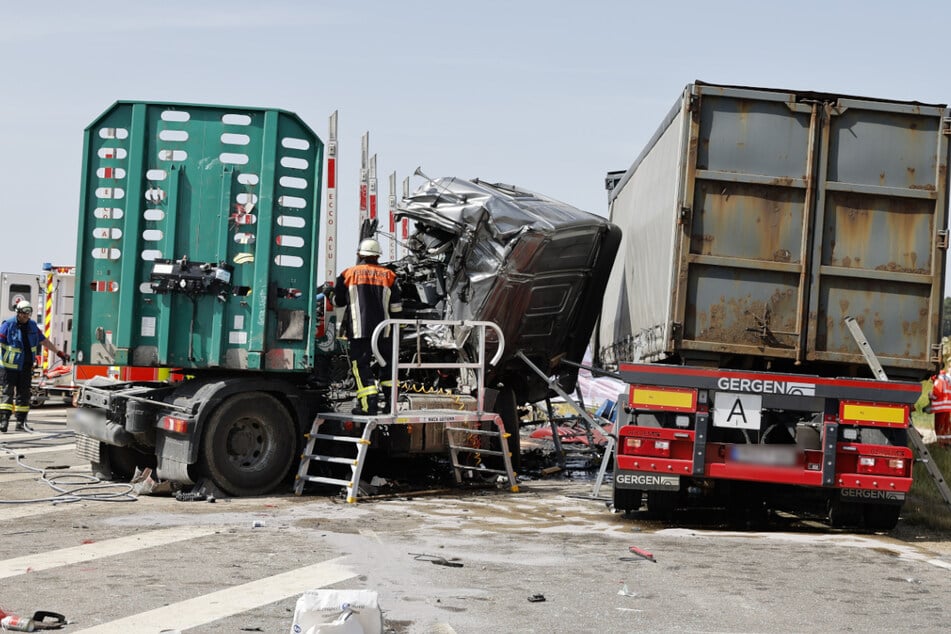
(32, 475)
(17, 436)
(366, 532)
(16, 511)
(902, 551)
(224, 603)
(97, 550)
(33, 450)
(938, 563)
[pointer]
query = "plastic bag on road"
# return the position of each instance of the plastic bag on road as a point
(338, 612)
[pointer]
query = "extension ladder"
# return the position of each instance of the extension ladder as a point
(351, 450)
(924, 456)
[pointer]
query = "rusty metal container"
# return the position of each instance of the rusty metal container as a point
(757, 220)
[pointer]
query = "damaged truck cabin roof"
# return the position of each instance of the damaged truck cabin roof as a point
(534, 265)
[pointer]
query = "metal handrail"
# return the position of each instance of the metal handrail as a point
(396, 366)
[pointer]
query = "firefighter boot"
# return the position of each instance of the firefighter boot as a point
(4, 421)
(21, 422)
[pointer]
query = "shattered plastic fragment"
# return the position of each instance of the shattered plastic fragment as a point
(625, 592)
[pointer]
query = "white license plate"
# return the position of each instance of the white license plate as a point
(772, 455)
(737, 411)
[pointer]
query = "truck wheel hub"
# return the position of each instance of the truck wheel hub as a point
(245, 442)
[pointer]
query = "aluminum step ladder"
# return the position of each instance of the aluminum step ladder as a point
(921, 450)
(351, 450)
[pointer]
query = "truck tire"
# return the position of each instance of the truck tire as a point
(844, 514)
(662, 504)
(249, 444)
(123, 461)
(627, 500)
(881, 517)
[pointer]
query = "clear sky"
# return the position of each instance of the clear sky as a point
(545, 95)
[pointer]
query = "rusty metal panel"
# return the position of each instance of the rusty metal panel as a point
(787, 212)
(882, 206)
(742, 271)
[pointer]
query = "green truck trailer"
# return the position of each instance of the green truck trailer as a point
(198, 251)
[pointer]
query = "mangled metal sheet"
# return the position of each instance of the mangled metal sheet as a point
(535, 266)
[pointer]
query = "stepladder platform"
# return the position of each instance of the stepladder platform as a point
(430, 430)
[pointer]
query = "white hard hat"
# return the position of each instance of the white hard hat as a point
(370, 247)
(24, 306)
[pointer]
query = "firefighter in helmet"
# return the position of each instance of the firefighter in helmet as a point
(20, 341)
(369, 293)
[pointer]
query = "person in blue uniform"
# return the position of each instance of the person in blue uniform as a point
(20, 341)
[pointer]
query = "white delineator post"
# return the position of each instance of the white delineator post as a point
(372, 188)
(392, 200)
(405, 223)
(364, 175)
(330, 241)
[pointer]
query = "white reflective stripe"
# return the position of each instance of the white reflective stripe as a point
(97, 550)
(224, 603)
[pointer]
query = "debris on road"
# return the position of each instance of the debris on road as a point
(625, 592)
(325, 611)
(436, 559)
(642, 553)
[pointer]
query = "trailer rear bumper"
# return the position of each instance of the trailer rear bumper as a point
(657, 474)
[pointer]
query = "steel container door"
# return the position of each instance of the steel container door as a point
(880, 239)
(743, 253)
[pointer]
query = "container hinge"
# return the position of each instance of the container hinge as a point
(936, 354)
(946, 126)
(685, 215)
(694, 104)
(943, 239)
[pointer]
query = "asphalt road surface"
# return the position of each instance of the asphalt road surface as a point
(111, 562)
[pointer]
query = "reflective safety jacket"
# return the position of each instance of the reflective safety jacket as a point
(370, 293)
(12, 344)
(941, 393)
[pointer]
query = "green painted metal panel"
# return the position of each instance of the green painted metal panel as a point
(198, 238)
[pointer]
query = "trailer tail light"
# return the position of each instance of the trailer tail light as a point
(872, 465)
(663, 399)
(647, 447)
(873, 414)
(174, 424)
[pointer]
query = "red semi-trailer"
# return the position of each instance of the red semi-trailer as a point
(755, 440)
(760, 227)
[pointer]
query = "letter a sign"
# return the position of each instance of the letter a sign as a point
(739, 411)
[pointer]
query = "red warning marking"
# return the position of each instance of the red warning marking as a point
(104, 286)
